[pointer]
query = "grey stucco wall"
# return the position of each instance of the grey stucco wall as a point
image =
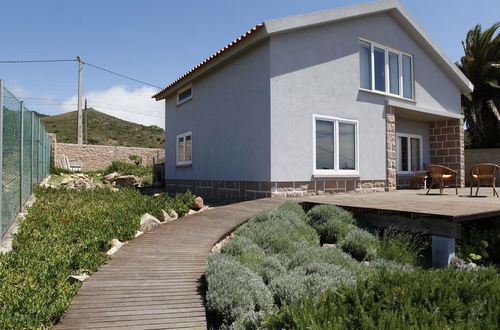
(316, 71)
(417, 128)
(230, 120)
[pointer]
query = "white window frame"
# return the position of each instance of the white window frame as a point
(182, 90)
(400, 64)
(336, 171)
(398, 154)
(183, 162)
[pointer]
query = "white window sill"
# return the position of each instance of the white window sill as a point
(336, 175)
(388, 95)
(183, 102)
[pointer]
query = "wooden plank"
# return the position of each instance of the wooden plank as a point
(153, 281)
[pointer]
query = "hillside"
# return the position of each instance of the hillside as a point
(104, 129)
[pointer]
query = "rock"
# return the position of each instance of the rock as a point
(155, 195)
(116, 242)
(198, 203)
(204, 208)
(148, 222)
(165, 217)
(77, 278)
(191, 212)
(173, 214)
(330, 245)
(110, 177)
(65, 181)
(138, 233)
(114, 189)
(115, 246)
(127, 181)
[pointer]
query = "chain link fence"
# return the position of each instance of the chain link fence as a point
(24, 156)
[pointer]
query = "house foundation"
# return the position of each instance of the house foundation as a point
(248, 190)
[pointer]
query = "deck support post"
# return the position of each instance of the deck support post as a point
(443, 250)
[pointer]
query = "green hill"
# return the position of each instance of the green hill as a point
(104, 129)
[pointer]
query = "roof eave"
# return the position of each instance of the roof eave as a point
(215, 60)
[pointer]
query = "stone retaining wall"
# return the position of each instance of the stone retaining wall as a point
(94, 157)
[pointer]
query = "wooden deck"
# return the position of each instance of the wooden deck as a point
(416, 203)
(153, 281)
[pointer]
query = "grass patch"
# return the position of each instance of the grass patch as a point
(125, 168)
(67, 232)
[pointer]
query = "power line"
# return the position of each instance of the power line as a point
(75, 60)
(121, 75)
(36, 61)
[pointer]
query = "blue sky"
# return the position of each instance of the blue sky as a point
(156, 41)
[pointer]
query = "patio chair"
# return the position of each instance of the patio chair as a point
(486, 172)
(421, 176)
(441, 175)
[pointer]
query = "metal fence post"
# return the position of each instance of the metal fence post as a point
(1, 157)
(32, 149)
(21, 167)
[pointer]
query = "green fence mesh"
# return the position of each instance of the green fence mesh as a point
(25, 151)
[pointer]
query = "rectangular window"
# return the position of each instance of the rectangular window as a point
(379, 64)
(347, 146)
(184, 149)
(325, 141)
(409, 153)
(407, 77)
(184, 94)
(393, 73)
(336, 146)
(365, 59)
(385, 70)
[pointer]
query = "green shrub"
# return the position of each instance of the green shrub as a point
(423, 299)
(317, 254)
(65, 232)
(400, 245)
(331, 222)
(312, 279)
(360, 244)
(290, 206)
(279, 233)
(125, 168)
(390, 265)
(234, 290)
(59, 171)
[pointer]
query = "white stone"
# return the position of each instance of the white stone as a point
(198, 202)
(173, 214)
(77, 278)
(148, 222)
(191, 212)
(138, 233)
(165, 217)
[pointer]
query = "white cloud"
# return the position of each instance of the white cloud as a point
(135, 105)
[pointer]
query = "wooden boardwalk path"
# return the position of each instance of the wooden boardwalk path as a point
(153, 281)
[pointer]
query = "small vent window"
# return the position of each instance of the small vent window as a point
(185, 94)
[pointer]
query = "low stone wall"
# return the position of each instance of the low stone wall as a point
(248, 190)
(94, 157)
(477, 156)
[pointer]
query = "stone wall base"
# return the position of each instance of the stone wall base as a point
(248, 190)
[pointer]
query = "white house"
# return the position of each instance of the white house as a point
(336, 100)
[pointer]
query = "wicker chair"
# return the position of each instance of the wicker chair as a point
(441, 175)
(485, 172)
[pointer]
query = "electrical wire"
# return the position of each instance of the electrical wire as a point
(36, 61)
(121, 75)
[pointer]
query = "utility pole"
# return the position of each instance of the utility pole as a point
(86, 123)
(79, 118)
